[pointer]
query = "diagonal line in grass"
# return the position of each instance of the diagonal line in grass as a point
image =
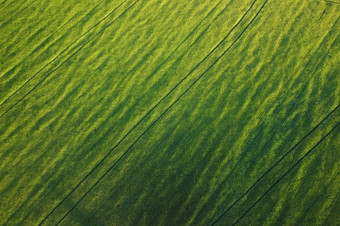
(53, 33)
(332, 2)
(60, 65)
(156, 120)
(63, 51)
(135, 126)
(275, 164)
(285, 174)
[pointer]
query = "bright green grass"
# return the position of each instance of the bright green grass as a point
(46, 35)
(171, 111)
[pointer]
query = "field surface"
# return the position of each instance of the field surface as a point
(135, 112)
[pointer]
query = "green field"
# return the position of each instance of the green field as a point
(135, 112)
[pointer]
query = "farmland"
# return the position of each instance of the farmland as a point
(135, 112)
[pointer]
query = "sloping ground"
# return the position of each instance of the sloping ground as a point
(169, 112)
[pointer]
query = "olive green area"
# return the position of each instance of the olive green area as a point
(135, 112)
(299, 199)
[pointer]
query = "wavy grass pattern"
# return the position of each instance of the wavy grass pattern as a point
(169, 113)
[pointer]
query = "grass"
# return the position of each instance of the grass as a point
(169, 113)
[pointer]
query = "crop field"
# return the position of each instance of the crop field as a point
(172, 112)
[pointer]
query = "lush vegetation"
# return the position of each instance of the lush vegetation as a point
(135, 112)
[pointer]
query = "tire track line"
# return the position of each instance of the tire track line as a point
(51, 35)
(56, 57)
(148, 113)
(275, 164)
(322, 14)
(164, 112)
(332, 2)
(73, 55)
(286, 173)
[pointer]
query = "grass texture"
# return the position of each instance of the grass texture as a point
(135, 112)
